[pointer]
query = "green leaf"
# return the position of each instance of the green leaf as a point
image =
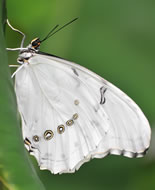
(4, 14)
(16, 171)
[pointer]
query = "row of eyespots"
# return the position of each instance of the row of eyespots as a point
(48, 134)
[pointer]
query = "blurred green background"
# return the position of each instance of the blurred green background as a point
(115, 39)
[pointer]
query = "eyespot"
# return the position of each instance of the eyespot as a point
(27, 141)
(36, 138)
(48, 135)
(61, 129)
(69, 122)
(76, 102)
(75, 116)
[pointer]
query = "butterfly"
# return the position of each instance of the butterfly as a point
(70, 114)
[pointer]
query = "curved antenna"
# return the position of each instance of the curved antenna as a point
(16, 30)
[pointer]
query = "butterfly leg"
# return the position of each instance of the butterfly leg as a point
(16, 49)
(16, 30)
(19, 68)
(14, 65)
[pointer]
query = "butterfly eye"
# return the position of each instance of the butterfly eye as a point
(35, 43)
(69, 122)
(75, 116)
(61, 129)
(36, 138)
(48, 134)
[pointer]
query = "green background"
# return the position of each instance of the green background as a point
(114, 38)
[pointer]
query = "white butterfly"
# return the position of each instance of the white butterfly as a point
(70, 114)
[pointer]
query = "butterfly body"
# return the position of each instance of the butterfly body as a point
(70, 114)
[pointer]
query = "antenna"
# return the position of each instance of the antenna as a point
(51, 34)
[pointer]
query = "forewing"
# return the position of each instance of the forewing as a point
(95, 117)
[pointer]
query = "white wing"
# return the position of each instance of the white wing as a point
(70, 114)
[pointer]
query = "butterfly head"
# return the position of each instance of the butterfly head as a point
(35, 44)
(28, 52)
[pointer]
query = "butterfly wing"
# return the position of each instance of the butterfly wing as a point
(70, 114)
